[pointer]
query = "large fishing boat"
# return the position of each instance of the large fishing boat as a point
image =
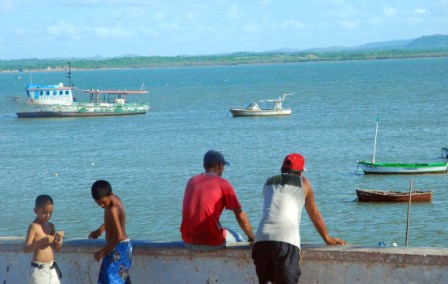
(58, 101)
(268, 108)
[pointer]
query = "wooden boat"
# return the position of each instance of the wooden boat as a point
(58, 101)
(372, 167)
(270, 108)
(401, 168)
(367, 195)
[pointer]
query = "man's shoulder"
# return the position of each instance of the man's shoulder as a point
(283, 179)
(209, 176)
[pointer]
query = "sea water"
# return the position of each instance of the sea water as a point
(149, 158)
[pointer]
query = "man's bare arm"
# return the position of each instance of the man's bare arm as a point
(244, 223)
(316, 217)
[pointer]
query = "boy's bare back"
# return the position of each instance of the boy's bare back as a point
(115, 221)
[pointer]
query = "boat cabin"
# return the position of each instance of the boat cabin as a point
(49, 94)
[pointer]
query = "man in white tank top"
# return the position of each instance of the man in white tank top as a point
(276, 250)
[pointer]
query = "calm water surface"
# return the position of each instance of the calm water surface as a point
(148, 159)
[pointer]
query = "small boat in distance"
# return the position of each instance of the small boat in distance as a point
(401, 168)
(368, 195)
(58, 101)
(272, 108)
(373, 167)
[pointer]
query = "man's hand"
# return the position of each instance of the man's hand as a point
(335, 241)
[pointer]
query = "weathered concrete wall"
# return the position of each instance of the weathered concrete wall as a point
(157, 262)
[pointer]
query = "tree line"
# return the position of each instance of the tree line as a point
(37, 64)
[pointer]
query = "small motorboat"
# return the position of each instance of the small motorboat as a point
(271, 108)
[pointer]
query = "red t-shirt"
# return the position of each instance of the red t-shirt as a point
(206, 196)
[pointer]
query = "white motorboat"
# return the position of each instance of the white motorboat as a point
(263, 108)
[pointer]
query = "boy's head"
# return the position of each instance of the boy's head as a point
(101, 192)
(43, 200)
(44, 207)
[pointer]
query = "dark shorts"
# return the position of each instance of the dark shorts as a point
(277, 262)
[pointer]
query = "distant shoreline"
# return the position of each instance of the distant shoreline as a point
(57, 65)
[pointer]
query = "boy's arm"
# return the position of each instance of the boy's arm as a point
(29, 246)
(119, 236)
(95, 234)
(57, 242)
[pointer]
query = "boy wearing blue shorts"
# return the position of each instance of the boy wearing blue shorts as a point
(117, 254)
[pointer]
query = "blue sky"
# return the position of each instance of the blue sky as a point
(86, 28)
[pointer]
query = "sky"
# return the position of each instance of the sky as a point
(107, 28)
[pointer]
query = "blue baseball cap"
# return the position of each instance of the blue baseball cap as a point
(214, 157)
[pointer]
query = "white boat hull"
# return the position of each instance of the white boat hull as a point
(245, 112)
(370, 168)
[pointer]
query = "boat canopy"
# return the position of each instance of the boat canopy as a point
(253, 106)
(116, 92)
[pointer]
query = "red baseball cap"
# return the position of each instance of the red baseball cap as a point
(294, 162)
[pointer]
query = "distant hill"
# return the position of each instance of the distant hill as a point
(429, 42)
(423, 42)
(386, 44)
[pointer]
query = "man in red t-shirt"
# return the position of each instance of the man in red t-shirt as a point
(206, 196)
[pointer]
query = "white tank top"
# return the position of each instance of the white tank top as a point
(283, 203)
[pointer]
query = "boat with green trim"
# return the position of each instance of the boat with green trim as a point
(373, 167)
(403, 168)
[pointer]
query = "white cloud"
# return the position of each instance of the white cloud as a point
(265, 2)
(63, 28)
(349, 24)
(389, 12)
(292, 24)
(6, 6)
(251, 27)
(159, 15)
(111, 32)
(420, 11)
(234, 12)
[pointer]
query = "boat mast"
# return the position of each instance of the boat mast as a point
(69, 74)
(374, 144)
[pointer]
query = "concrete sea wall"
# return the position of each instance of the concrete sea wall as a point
(170, 262)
